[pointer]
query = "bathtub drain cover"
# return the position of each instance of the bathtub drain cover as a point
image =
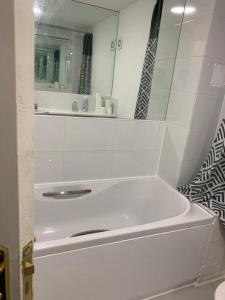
(88, 232)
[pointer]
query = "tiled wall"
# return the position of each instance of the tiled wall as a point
(70, 148)
(194, 105)
(194, 109)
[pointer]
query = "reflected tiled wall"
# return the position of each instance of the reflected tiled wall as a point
(69, 148)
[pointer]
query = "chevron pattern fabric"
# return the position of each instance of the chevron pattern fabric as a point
(208, 187)
(142, 105)
(86, 66)
(85, 76)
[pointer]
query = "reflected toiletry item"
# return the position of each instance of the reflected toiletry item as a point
(102, 110)
(108, 111)
(35, 107)
(85, 104)
(108, 107)
(97, 109)
(98, 98)
(98, 104)
(57, 86)
(74, 106)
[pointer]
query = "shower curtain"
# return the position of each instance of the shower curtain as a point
(208, 187)
(85, 75)
(142, 104)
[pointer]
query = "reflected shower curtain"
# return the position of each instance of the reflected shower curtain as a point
(208, 187)
(85, 75)
(142, 105)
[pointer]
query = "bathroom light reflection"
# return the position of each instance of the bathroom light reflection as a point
(37, 11)
(49, 230)
(188, 10)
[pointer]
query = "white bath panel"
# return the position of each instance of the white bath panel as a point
(126, 270)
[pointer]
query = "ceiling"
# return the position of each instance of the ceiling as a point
(71, 14)
(110, 4)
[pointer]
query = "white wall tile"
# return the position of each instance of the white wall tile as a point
(158, 104)
(206, 76)
(216, 44)
(203, 8)
(49, 133)
(172, 153)
(180, 108)
(163, 72)
(87, 165)
(87, 146)
(167, 17)
(187, 172)
(89, 134)
(193, 36)
(48, 166)
(196, 141)
(220, 7)
(134, 163)
(187, 74)
(138, 135)
(167, 43)
(206, 112)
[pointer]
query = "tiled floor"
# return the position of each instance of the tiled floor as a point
(204, 292)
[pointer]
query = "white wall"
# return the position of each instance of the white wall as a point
(134, 27)
(222, 114)
(68, 148)
(194, 105)
(103, 58)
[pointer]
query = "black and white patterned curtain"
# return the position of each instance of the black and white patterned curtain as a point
(208, 187)
(85, 75)
(142, 105)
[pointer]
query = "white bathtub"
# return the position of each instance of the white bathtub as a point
(155, 242)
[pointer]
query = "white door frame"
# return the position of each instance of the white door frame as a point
(16, 134)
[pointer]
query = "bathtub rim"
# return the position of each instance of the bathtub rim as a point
(118, 235)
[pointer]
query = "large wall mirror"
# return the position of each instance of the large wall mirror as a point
(95, 62)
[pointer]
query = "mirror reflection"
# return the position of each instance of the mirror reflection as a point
(95, 62)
